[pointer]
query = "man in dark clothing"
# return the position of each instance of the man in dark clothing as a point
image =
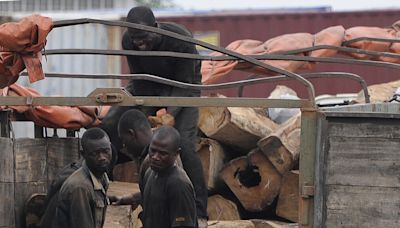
(52, 193)
(184, 70)
(168, 198)
(82, 199)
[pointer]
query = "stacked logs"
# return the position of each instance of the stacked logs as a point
(249, 163)
(253, 158)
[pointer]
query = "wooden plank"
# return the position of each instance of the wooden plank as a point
(258, 223)
(361, 206)
(282, 147)
(60, 152)
(127, 172)
(30, 160)
(231, 224)
(219, 208)
(118, 188)
(6, 161)
(364, 127)
(357, 161)
(238, 127)
(24, 191)
(253, 179)
(7, 205)
(212, 157)
(288, 200)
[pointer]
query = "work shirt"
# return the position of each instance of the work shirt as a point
(52, 193)
(82, 200)
(168, 199)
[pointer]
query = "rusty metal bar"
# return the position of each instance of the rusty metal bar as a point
(307, 167)
(157, 101)
(307, 84)
(370, 39)
(252, 80)
(282, 56)
(212, 58)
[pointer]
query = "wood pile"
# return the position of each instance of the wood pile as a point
(249, 163)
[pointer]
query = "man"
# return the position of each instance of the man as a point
(168, 198)
(82, 199)
(184, 70)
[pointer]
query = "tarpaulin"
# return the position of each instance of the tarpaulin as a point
(20, 46)
(213, 71)
(55, 116)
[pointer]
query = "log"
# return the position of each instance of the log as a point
(219, 208)
(258, 223)
(253, 180)
(288, 201)
(282, 147)
(122, 216)
(212, 157)
(231, 224)
(127, 172)
(237, 127)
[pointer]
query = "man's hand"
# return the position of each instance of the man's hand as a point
(162, 118)
(133, 199)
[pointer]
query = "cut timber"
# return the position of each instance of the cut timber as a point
(253, 179)
(121, 216)
(231, 224)
(126, 172)
(212, 159)
(219, 208)
(380, 92)
(258, 223)
(238, 127)
(283, 146)
(288, 201)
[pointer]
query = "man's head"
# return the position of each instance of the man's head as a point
(96, 150)
(164, 148)
(142, 40)
(134, 131)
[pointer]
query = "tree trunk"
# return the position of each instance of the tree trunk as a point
(253, 179)
(212, 157)
(230, 224)
(288, 202)
(282, 147)
(238, 127)
(220, 208)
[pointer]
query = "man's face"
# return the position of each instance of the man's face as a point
(162, 154)
(98, 154)
(144, 41)
(132, 143)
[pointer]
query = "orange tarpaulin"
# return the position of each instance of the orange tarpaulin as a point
(55, 116)
(213, 71)
(20, 46)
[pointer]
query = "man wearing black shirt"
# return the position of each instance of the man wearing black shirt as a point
(184, 70)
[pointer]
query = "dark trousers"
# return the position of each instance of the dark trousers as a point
(186, 124)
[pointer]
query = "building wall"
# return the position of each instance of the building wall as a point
(266, 26)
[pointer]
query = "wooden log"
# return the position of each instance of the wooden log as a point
(122, 216)
(253, 180)
(237, 127)
(288, 201)
(282, 147)
(127, 172)
(258, 223)
(212, 157)
(219, 208)
(231, 224)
